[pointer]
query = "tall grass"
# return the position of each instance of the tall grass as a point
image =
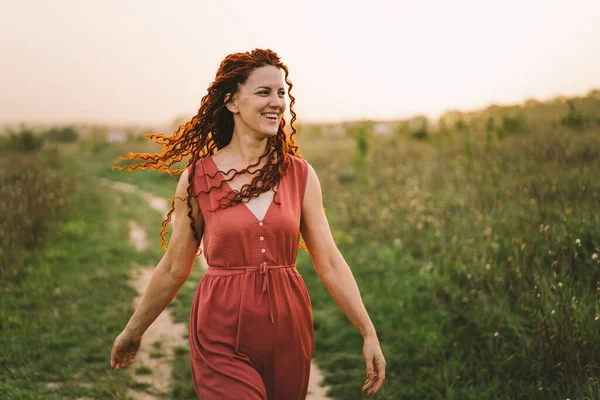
(478, 264)
(35, 194)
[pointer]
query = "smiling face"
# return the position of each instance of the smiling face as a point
(259, 103)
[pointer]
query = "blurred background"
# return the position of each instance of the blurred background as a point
(457, 144)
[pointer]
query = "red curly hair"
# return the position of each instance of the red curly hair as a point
(211, 129)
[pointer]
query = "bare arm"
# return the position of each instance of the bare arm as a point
(337, 277)
(175, 266)
(329, 263)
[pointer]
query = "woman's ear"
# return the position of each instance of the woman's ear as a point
(230, 103)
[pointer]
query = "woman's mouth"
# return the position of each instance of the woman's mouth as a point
(271, 117)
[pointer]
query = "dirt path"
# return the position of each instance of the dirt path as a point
(156, 355)
(164, 335)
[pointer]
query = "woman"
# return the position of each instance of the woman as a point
(251, 332)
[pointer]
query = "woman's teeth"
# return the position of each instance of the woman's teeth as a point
(271, 116)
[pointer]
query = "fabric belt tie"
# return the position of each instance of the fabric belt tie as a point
(263, 269)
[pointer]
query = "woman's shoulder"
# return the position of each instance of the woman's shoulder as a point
(298, 160)
(298, 164)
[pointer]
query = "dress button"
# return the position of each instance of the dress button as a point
(260, 223)
(263, 250)
(262, 238)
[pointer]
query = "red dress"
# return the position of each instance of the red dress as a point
(251, 328)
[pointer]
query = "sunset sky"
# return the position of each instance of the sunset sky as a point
(126, 61)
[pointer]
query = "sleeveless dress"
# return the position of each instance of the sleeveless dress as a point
(251, 327)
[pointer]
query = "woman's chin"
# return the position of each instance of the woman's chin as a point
(270, 132)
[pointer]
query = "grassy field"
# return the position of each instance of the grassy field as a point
(478, 263)
(58, 322)
(477, 256)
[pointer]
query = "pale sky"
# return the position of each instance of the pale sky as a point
(149, 61)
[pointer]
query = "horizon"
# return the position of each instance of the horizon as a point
(164, 124)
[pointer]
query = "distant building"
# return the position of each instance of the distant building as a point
(333, 130)
(382, 128)
(116, 137)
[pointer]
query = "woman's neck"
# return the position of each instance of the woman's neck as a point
(244, 149)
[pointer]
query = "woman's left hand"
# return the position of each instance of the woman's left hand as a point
(375, 365)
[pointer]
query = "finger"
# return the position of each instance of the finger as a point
(126, 359)
(369, 365)
(374, 389)
(364, 386)
(377, 386)
(373, 383)
(121, 361)
(380, 380)
(113, 358)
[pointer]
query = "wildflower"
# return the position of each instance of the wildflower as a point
(469, 276)
(560, 284)
(553, 312)
(398, 243)
(594, 256)
(496, 334)
(578, 242)
(487, 232)
(488, 266)
(597, 317)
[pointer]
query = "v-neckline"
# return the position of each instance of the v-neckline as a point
(225, 183)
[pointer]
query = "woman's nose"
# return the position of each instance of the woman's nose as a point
(277, 101)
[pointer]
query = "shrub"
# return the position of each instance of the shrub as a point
(574, 118)
(22, 141)
(65, 134)
(514, 124)
(34, 196)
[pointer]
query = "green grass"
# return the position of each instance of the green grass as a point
(143, 370)
(95, 159)
(475, 260)
(470, 266)
(157, 354)
(58, 325)
(97, 163)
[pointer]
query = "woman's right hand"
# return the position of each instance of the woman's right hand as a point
(124, 350)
